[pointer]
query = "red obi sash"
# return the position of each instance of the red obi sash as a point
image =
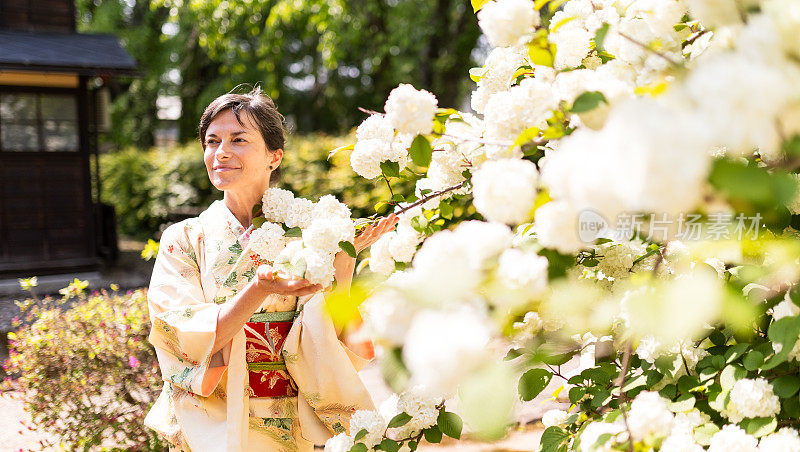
(265, 333)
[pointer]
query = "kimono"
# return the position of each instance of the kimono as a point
(204, 405)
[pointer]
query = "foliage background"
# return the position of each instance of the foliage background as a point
(319, 60)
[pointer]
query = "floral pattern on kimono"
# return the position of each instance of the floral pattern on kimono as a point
(202, 263)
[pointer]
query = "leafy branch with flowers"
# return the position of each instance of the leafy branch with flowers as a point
(632, 166)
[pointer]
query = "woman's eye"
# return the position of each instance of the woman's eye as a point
(239, 139)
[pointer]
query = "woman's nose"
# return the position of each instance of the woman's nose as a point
(222, 151)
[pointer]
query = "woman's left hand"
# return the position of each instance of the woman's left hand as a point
(372, 233)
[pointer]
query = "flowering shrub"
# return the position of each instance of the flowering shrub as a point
(633, 164)
(85, 370)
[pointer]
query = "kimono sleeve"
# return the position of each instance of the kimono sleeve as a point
(183, 323)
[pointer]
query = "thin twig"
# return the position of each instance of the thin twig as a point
(654, 51)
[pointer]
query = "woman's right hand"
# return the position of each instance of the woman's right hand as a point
(274, 282)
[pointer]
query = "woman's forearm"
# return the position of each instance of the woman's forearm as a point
(235, 313)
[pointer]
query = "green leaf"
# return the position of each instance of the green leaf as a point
(753, 360)
(389, 445)
(256, 209)
(786, 386)
(348, 248)
(432, 434)
(683, 403)
(552, 438)
(526, 136)
(477, 72)
(703, 433)
(445, 210)
(412, 445)
(358, 447)
(533, 382)
(348, 147)
(258, 222)
(399, 420)
(600, 37)
(759, 426)
(785, 332)
(478, 4)
(588, 101)
(293, 232)
(540, 56)
(730, 375)
(361, 433)
(576, 393)
(398, 198)
(735, 352)
(421, 151)
(450, 424)
(751, 183)
(390, 169)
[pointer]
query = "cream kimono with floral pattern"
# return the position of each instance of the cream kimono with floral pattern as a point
(202, 263)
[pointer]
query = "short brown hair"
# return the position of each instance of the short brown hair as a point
(262, 111)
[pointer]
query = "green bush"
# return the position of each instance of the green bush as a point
(85, 370)
(150, 188)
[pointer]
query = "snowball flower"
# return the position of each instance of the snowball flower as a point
(784, 440)
(275, 204)
(318, 266)
(752, 398)
(403, 243)
(409, 110)
(505, 190)
(509, 113)
(592, 433)
(367, 156)
(325, 235)
(572, 45)
(380, 257)
(733, 439)
(649, 415)
(556, 226)
(527, 271)
(298, 213)
(372, 422)
(268, 241)
(422, 410)
(328, 206)
(508, 22)
(375, 127)
(554, 418)
(339, 443)
(442, 348)
(785, 308)
(387, 315)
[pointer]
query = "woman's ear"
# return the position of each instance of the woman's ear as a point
(275, 157)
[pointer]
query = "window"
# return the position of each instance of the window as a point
(38, 122)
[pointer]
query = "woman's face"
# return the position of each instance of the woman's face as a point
(236, 156)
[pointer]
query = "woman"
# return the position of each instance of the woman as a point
(250, 360)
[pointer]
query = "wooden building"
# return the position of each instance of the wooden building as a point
(50, 80)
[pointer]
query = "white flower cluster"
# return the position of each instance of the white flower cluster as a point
(323, 225)
(784, 440)
(649, 415)
(505, 190)
(732, 438)
(396, 246)
(377, 143)
(409, 110)
(508, 22)
(554, 418)
(422, 410)
(751, 398)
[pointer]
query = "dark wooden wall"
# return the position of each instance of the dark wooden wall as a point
(46, 216)
(38, 15)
